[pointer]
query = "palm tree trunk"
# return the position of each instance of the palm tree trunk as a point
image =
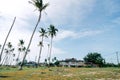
(20, 67)
(18, 57)
(10, 59)
(7, 38)
(50, 51)
(40, 52)
(6, 60)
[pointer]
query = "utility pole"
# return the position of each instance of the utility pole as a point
(117, 58)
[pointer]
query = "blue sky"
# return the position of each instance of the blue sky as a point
(84, 26)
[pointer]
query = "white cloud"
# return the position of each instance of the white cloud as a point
(89, 33)
(63, 34)
(19, 8)
(67, 12)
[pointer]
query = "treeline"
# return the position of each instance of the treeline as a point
(96, 58)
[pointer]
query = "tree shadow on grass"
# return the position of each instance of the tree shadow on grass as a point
(4, 76)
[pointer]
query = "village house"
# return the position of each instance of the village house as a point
(72, 62)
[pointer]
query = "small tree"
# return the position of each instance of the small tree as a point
(55, 61)
(94, 58)
(45, 62)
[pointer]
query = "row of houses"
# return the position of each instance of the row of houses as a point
(72, 62)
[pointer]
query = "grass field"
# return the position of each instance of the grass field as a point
(60, 73)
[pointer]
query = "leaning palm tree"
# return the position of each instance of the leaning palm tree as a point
(7, 38)
(52, 32)
(40, 7)
(43, 33)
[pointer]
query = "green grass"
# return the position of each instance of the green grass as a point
(60, 73)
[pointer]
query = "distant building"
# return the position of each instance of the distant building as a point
(90, 64)
(72, 62)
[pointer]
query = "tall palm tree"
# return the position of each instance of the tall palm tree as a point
(7, 38)
(20, 48)
(43, 33)
(52, 32)
(40, 7)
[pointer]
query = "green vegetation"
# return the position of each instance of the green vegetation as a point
(94, 58)
(60, 73)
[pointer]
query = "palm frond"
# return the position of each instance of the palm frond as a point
(39, 4)
(33, 3)
(40, 43)
(45, 12)
(24, 48)
(19, 49)
(44, 6)
(43, 32)
(52, 30)
(46, 36)
(13, 55)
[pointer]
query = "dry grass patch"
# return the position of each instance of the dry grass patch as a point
(62, 74)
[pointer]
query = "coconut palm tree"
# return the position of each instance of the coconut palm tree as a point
(5, 57)
(40, 7)
(43, 33)
(52, 32)
(7, 38)
(9, 52)
(20, 48)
